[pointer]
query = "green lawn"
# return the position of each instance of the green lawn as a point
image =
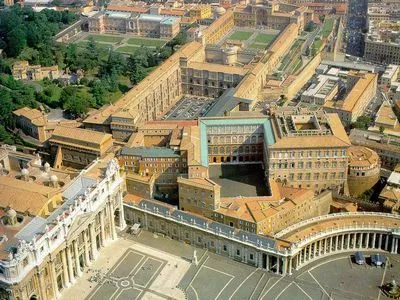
(327, 28)
(264, 38)
(99, 45)
(146, 42)
(240, 35)
(258, 46)
(126, 49)
(316, 46)
(106, 38)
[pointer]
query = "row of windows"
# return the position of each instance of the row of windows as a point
(308, 165)
(236, 139)
(309, 153)
(230, 150)
(234, 129)
(317, 176)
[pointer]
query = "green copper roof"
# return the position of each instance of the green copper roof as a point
(269, 138)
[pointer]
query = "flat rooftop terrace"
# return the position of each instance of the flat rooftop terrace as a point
(245, 180)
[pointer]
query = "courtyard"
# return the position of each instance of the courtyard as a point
(189, 108)
(255, 39)
(149, 266)
(245, 180)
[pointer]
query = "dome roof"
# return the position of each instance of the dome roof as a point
(46, 165)
(11, 213)
(24, 171)
(220, 10)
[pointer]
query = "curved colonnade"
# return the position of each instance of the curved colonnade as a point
(342, 232)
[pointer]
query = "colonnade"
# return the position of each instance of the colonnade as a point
(346, 241)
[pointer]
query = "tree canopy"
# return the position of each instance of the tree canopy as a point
(22, 27)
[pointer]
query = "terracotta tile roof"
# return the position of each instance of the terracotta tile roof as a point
(78, 135)
(24, 196)
(34, 115)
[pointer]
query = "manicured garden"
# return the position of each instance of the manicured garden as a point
(240, 35)
(137, 41)
(105, 38)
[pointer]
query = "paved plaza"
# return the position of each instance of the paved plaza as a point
(154, 267)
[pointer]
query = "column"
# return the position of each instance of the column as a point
(380, 241)
(65, 268)
(319, 247)
(56, 293)
(102, 230)
(112, 222)
(277, 265)
(284, 266)
(122, 223)
(396, 248)
(368, 241)
(361, 239)
(373, 240)
(290, 266)
(77, 264)
(342, 244)
(42, 287)
(267, 263)
(348, 242)
(86, 247)
(354, 240)
(325, 246)
(298, 260)
(387, 242)
(315, 249)
(93, 240)
(70, 268)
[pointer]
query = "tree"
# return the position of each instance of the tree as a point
(363, 122)
(30, 54)
(16, 42)
(5, 136)
(98, 92)
(75, 100)
(136, 66)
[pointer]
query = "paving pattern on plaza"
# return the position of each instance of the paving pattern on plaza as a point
(130, 277)
(135, 274)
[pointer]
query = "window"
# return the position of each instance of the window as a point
(251, 256)
(237, 252)
(300, 165)
(225, 248)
